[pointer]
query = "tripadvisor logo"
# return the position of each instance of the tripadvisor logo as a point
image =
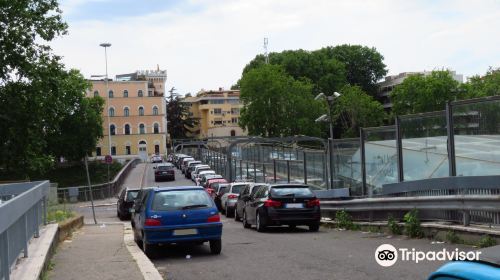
(387, 255)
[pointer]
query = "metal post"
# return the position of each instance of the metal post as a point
(451, 140)
(399, 149)
(254, 173)
(274, 170)
(35, 216)
(26, 235)
(305, 166)
(363, 160)
(288, 171)
(4, 241)
(264, 172)
(90, 189)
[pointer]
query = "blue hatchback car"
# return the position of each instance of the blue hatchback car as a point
(166, 215)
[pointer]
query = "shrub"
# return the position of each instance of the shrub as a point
(453, 238)
(486, 241)
(412, 224)
(394, 228)
(344, 220)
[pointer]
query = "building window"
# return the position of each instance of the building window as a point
(126, 112)
(156, 128)
(155, 110)
(141, 129)
(110, 94)
(127, 150)
(218, 122)
(141, 111)
(233, 132)
(111, 112)
(112, 129)
(113, 150)
(150, 93)
(127, 129)
(235, 111)
(233, 101)
(234, 120)
(96, 93)
(217, 111)
(139, 93)
(157, 149)
(125, 93)
(98, 151)
(217, 101)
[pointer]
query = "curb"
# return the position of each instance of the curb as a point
(147, 268)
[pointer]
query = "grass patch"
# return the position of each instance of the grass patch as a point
(46, 271)
(453, 237)
(486, 241)
(412, 224)
(59, 213)
(344, 220)
(393, 226)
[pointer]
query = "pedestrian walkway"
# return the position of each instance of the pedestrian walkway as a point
(95, 252)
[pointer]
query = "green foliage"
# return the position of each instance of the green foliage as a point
(486, 241)
(276, 104)
(355, 109)
(488, 85)
(59, 215)
(412, 224)
(453, 237)
(425, 93)
(344, 220)
(393, 225)
(180, 124)
(42, 105)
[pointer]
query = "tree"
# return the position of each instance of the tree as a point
(355, 109)
(425, 93)
(180, 123)
(39, 99)
(487, 85)
(278, 105)
(364, 66)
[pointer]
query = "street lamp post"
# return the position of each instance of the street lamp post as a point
(329, 100)
(106, 46)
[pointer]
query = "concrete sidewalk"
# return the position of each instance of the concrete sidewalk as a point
(95, 252)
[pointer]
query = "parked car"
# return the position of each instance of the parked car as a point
(178, 160)
(176, 215)
(198, 169)
(228, 200)
(486, 268)
(201, 173)
(164, 170)
(156, 159)
(191, 167)
(205, 177)
(282, 204)
(219, 191)
(125, 203)
(184, 163)
(245, 194)
(211, 181)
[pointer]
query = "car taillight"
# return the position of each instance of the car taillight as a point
(312, 203)
(213, 219)
(232, 196)
(152, 222)
(272, 203)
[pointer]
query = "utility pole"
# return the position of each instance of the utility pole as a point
(266, 54)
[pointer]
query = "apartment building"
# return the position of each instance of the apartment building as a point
(134, 114)
(218, 112)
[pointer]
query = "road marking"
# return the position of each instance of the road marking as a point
(147, 268)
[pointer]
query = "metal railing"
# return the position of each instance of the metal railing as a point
(22, 216)
(99, 191)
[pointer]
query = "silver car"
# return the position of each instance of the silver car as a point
(229, 199)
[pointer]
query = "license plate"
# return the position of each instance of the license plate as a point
(164, 173)
(294, 205)
(190, 231)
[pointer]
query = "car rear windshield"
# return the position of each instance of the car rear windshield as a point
(182, 199)
(291, 191)
(131, 195)
(164, 167)
(237, 188)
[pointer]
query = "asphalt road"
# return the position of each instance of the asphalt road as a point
(282, 253)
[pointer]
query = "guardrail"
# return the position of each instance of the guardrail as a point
(99, 191)
(465, 204)
(22, 216)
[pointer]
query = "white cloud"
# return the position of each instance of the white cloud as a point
(208, 47)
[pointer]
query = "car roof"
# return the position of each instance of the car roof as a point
(165, 164)
(177, 188)
(289, 185)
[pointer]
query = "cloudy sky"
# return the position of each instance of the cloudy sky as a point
(206, 43)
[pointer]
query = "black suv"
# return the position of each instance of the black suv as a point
(125, 203)
(282, 204)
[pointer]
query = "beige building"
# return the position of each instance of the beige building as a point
(136, 108)
(218, 113)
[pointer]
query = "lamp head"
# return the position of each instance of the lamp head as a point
(319, 96)
(106, 45)
(336, 94)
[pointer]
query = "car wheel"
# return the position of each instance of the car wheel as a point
(149, 250)
(137, 240)
(245, 221)
(259, 224)
(215, 246)
(236, 216)
(314, 227)
(229, 212)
